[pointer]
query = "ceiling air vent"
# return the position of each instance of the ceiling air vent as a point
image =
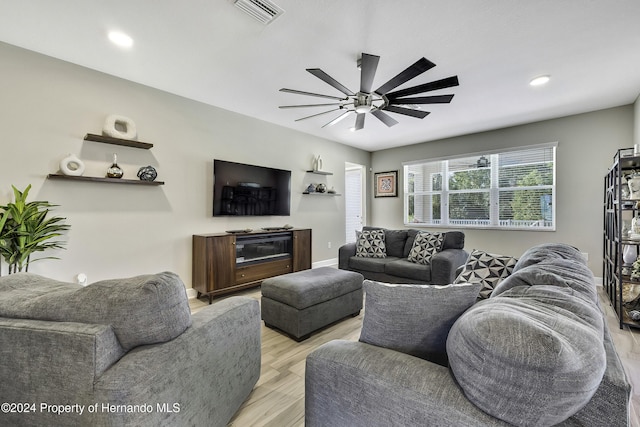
(261, 10)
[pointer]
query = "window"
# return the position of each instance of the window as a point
(507, 190)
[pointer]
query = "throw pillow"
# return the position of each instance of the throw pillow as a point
(414, 319)
(370, 244)
(425, 246)
(486, 268)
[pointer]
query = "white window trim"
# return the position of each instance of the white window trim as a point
(494, 192)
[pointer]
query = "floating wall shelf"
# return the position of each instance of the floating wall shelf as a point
(322, 194)
(106, 180)
(117, 141)
(320, 172)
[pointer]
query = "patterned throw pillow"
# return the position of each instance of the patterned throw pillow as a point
(486, 268)
(370, 244)
(425, 246)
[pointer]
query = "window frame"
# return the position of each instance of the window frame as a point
(494, 190)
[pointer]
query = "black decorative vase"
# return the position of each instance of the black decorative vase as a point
(147, 173)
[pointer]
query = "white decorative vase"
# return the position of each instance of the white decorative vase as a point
(629, 254)
(120, 127)
(72, 166)
(634, 187)
(317, 163)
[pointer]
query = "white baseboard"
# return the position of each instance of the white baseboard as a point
(332, 262)
(191, 293)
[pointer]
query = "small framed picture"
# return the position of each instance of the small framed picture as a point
(386, 184)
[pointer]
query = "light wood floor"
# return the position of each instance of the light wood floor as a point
(277, 399)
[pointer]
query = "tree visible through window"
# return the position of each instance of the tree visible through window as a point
(513, 190)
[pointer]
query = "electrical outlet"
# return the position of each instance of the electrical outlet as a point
(329, 245)
(585, 255)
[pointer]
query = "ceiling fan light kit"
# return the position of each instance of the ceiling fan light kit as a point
(381, 100)
(540, 80)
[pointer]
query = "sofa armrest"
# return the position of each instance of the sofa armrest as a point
(344, 253)
(208, 371)
(52, 362)
(610, 403)
(444, 265)
(356, 384)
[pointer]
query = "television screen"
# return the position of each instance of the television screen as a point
(240, 189)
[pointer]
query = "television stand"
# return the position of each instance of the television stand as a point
(224, 263)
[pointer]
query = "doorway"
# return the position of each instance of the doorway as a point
(355, 199)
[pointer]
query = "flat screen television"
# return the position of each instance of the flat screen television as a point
(247, 190)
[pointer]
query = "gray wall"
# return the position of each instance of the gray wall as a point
(46, 108)
(636, 121)
(586, 145)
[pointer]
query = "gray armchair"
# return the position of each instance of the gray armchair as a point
(123, 353)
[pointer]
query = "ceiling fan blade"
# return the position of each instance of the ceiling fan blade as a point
(384, 118)
(406, 111)
(318, 114)
(337, 119)
(368, 67)
(360, 121)
(300, 92)
(438, 99)
(419, 67)
(435, 85)
(310, 105)
(329, 80)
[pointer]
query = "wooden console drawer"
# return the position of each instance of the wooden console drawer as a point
(262, 271)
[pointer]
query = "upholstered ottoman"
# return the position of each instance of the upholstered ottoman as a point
(303, 302)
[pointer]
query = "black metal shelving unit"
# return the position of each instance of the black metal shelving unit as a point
(615, 272)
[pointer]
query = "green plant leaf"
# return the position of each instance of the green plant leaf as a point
(25, 229)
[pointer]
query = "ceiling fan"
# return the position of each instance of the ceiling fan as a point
(381, 100)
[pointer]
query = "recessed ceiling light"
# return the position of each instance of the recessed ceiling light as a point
(120, 39)
(539, 81)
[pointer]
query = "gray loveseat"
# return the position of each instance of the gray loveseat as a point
(123, 352)
(536, 353)
(395, 268)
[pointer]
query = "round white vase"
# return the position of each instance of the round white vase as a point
(72, 166)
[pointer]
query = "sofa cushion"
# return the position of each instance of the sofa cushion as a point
(425, 245)
(453, 240)
(374, 265)
(564, 273)
(414, 319)
(486, 268)
(408, 270)
(394, 241)
(531, 355)
(141, 310)
(547, 251)
(306, 288)
(408, 245)
(371, 244)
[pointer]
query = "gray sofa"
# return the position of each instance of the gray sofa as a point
(124, 352)
(536, 353)
(395, 268)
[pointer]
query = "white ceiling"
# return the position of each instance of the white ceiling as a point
(210, 51)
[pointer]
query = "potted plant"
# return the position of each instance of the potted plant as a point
(25, 230)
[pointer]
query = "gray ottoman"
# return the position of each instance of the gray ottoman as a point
(303, 302)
